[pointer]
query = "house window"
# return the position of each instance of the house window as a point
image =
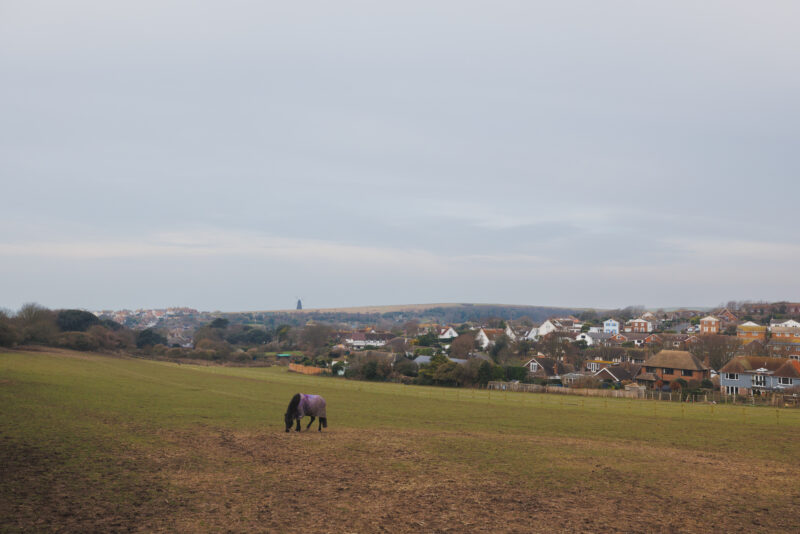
(686, 372)
(732, 390)
(785, 381)
(667, 371)
(759, 380)
(534, 367)
(650, 369)
(732, 376)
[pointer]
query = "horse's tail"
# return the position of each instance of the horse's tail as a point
(324, 421)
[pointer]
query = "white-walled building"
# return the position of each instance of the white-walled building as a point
(611, 326)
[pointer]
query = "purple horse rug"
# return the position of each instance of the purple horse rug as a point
(303, 405)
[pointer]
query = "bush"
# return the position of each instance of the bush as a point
(586, 382)
(516, 373)
(76, 341)
(8, 334)
(149, 338)
(175, 353)
(679, 384)
(406, 367)
(76, 320)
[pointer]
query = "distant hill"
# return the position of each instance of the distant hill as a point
(439, 312)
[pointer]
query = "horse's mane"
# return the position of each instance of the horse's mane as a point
(293, 404)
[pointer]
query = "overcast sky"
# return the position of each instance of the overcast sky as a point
(237, 155)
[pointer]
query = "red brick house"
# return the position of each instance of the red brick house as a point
(750, 331)
(710, 325)
(639, 326)
(669, 365)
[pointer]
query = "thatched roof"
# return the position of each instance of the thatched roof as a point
(676, 359)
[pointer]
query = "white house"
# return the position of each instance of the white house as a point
(533, 335)
(510, 333)
(791, 323)
(546, 327)
(639, 326)
(447, 333)
(482, 339)
(611, 326)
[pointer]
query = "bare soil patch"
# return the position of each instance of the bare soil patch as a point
(346, 480)
(357, 481)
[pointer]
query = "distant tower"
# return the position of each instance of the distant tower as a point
(299, 304)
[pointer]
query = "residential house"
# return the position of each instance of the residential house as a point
(533, 335)
(790, 323)
(750, 331)
(561, 324)
(599, 339)
(763, 308)
(614, 373)
(447, 333)
(710, 325)
(678, 341)
(727, 316)
(639, 326)
(748, 375)
(570, 378)
(510, 333)
(669, 365)
(359, 340)
(487, 336)
(595, 365)
(549, 368)
(785, 341)
(611, 326)
(638, 339)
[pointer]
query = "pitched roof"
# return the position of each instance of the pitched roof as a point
(633, 336)
(616, 372)
(786, 330)
(676, 359)
(776, 366)
(493, 333)
(549, 366)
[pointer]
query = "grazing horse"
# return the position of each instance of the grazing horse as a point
(302, 405)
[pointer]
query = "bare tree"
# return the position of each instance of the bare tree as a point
(715, 350)
(462, 346)
(411, 328)
(315, 337)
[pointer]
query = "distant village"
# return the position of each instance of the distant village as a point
(745, 349)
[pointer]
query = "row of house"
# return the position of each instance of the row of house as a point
(743, 375)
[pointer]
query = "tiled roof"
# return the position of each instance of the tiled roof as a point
(676, 359)
(749, 364)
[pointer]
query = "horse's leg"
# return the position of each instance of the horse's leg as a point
(298, 425)
(323, 423)
(309, 423)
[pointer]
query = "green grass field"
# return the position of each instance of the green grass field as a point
(96, 443)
